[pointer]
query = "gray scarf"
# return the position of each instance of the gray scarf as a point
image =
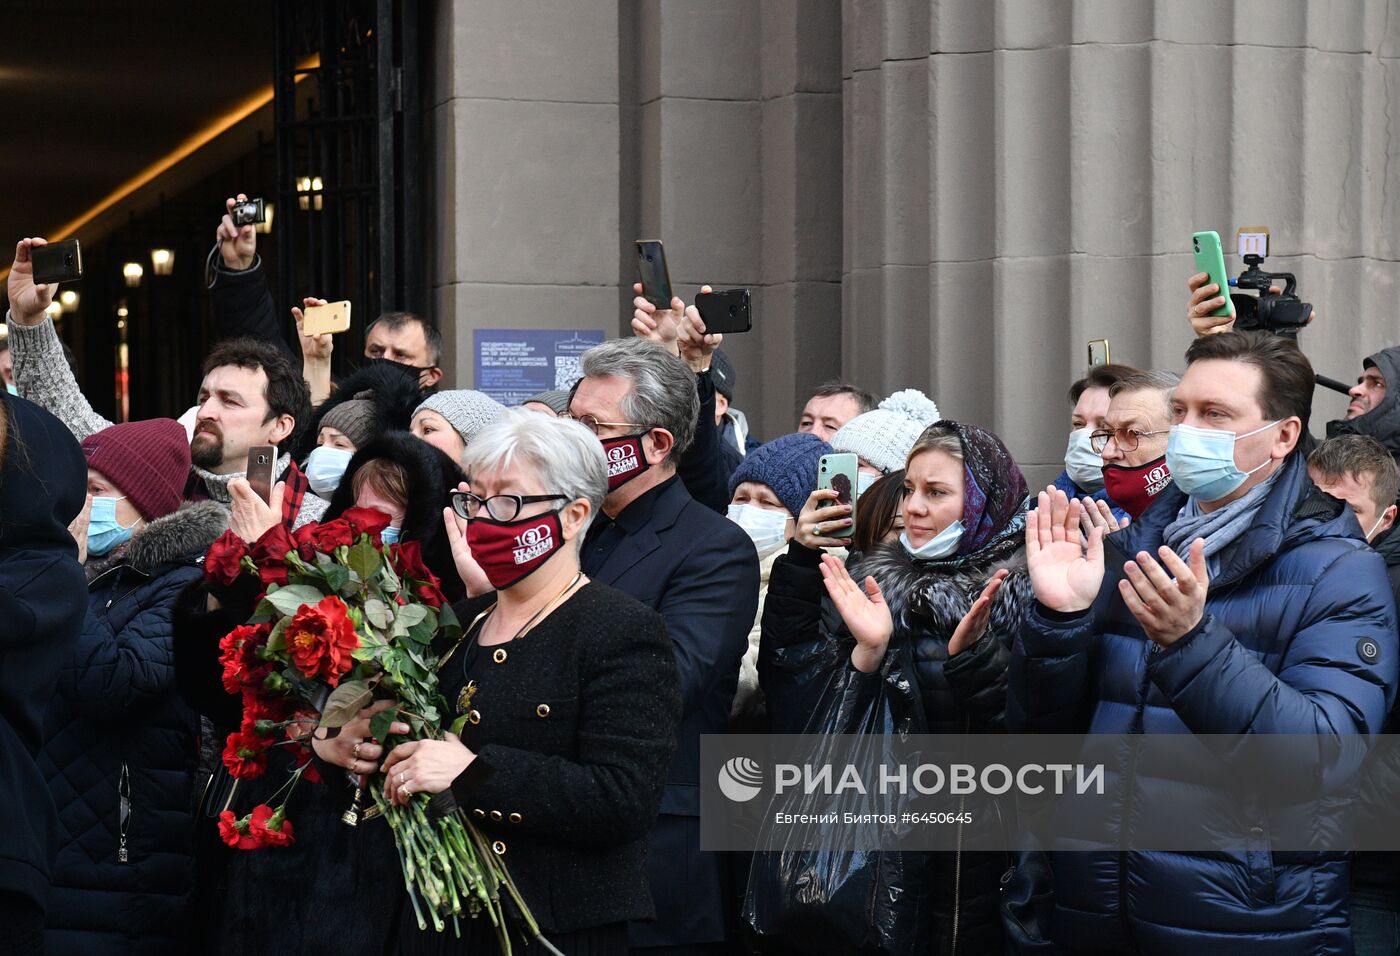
(1221, 527)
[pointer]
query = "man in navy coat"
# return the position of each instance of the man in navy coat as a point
(700, 572)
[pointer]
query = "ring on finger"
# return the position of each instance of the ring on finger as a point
(355, 751)
(402, 776)
(403, 789)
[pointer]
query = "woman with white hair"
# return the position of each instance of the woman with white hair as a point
(570, 692)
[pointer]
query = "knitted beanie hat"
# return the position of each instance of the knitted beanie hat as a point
(558, 401)
(722, 373)
(788, 465)
(354, 419)
(466, 410)
(148, 461)
(884, 435)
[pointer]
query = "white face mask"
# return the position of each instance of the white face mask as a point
(1083, 465)
(864, 480)
(939, 546)
(325, 467)
(767, 529)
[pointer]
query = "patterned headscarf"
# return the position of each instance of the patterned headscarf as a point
(995, 495)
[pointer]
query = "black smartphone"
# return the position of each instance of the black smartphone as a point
(262, 460)
(57, 262)
(726, 311)
(656, 278)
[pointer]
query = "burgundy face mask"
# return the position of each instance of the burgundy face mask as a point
(1133, 488)
(510, 551)
(626, 458)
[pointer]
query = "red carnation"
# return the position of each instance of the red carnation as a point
(238, 656)
(331, 535)
(321, 639)
(269, 827)
(270, 554)
(234, 832)
(223, 563)
(370, 521)
(245, 755)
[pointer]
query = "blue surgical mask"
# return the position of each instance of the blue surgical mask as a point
(767, 529)
(325, 467)
(11, 388)
(1202, 460)
(104, 531)
(1083, 465)
(864, 480)
(939, 546)
(390, 535)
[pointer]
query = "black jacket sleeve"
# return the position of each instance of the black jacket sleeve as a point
(242, 306)
(798, 647)
(704, 469)
(977, 678)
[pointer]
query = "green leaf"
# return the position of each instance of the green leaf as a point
(345, 702)
(364, 560)
(411, 614)
(457, 725)
(336, 576)
(289, 599)
(277, 640)
(379, 723)
(377, 613)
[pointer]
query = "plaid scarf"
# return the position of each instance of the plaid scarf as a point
(198, 488)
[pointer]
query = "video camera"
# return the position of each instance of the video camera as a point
(1281, 313)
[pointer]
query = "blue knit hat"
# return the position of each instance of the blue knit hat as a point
(788, 465)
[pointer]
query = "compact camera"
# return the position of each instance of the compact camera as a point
(248, 213)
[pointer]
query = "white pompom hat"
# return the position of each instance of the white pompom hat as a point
(884, 435)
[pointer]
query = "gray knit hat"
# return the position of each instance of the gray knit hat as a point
(884, 435)
(559, 401)
(354, 419)
(466, 410)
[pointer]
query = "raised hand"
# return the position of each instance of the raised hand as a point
(1206, 297)
(696, 346)
(249, 516)
(27, 300)
(237, 244)
(820, 516)
(1065, 573)
(1168, 602)
(662, 326)
(864, 610)
(974, 623)
(473, 578)
(1096, 513)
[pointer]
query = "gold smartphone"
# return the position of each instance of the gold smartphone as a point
(332, 317)
(1098, 352)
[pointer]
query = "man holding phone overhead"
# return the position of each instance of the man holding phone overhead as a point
(251, 395)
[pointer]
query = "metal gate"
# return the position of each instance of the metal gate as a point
(349, 185)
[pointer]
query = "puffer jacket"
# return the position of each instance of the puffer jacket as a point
(118, 733)
(804, 638)
(1278, 651)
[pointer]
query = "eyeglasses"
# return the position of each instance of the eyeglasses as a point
(592, 424)
(498, 507)
(1125, 438)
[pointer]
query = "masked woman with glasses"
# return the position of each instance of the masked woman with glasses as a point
(570, 692)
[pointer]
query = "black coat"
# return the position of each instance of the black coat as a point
(700, 571)
(43, 480)
(117, 723)
(577, 727)
(804, 639)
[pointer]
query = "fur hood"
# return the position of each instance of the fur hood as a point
(930, 600)
(177, 536)
(390, 387)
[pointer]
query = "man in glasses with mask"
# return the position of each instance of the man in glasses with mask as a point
(1132, 441)
(1243, 602)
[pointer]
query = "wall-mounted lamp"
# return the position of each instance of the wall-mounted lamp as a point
(310, 189)
(162, 261)
(68, 299)
(265, 226)
(132, 273)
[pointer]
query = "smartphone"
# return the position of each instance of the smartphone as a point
(730, 310)
(57, 262)
(262, 461)
(656, 279)
(1098, 352)
(838, 473)
(1210, 258)
(333, 317)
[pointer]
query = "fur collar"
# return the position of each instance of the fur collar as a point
(177, 536)
(929, 600)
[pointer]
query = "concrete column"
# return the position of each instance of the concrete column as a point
(525, 176)
(1022, 176)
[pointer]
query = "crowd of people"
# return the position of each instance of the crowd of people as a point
(1202, 565)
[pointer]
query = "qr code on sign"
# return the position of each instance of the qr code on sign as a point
(567, 371)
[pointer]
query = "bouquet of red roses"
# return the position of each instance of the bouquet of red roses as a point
(343, 621)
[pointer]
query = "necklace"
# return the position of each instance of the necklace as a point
(529, 625)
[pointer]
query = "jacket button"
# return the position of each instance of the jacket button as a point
(516, 818)
(542, 710)
(480, 813)
(498, 848)
(473, 717)
(496, 815)
(500, 656)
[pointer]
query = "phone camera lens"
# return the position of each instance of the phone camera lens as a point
(733, 311)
